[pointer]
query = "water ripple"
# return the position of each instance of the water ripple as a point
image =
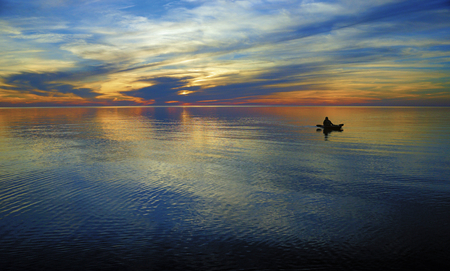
(222, 189)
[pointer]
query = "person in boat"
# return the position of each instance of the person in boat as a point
(327, 122)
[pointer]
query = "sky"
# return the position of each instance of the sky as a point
(224, 52)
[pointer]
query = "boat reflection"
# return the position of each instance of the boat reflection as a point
(326, 131)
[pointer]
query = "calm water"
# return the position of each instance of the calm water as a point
(226, 188)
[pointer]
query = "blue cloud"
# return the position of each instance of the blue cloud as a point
(46, 84)
(163, 89)
(394, 13)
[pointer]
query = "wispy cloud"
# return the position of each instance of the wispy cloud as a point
(228, 51)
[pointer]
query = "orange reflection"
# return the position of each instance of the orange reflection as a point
(124, 123)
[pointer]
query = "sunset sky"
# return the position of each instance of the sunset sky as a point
(224, 52)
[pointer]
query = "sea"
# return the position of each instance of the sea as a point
(224, 188)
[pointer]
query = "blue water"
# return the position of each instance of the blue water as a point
(224, 188)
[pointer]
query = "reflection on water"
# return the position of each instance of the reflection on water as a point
(223, 188)
(326, 132)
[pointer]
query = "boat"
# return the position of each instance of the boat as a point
(332, 127)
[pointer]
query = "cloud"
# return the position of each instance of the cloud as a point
(46, 85)
(162, 89)
(51, 38)
(220, 49)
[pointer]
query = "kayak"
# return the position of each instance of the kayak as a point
(333, 127)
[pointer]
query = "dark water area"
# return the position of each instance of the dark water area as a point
(224, 188)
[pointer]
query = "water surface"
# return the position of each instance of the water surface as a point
(224, 188)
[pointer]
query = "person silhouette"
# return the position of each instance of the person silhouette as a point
(327, 122)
